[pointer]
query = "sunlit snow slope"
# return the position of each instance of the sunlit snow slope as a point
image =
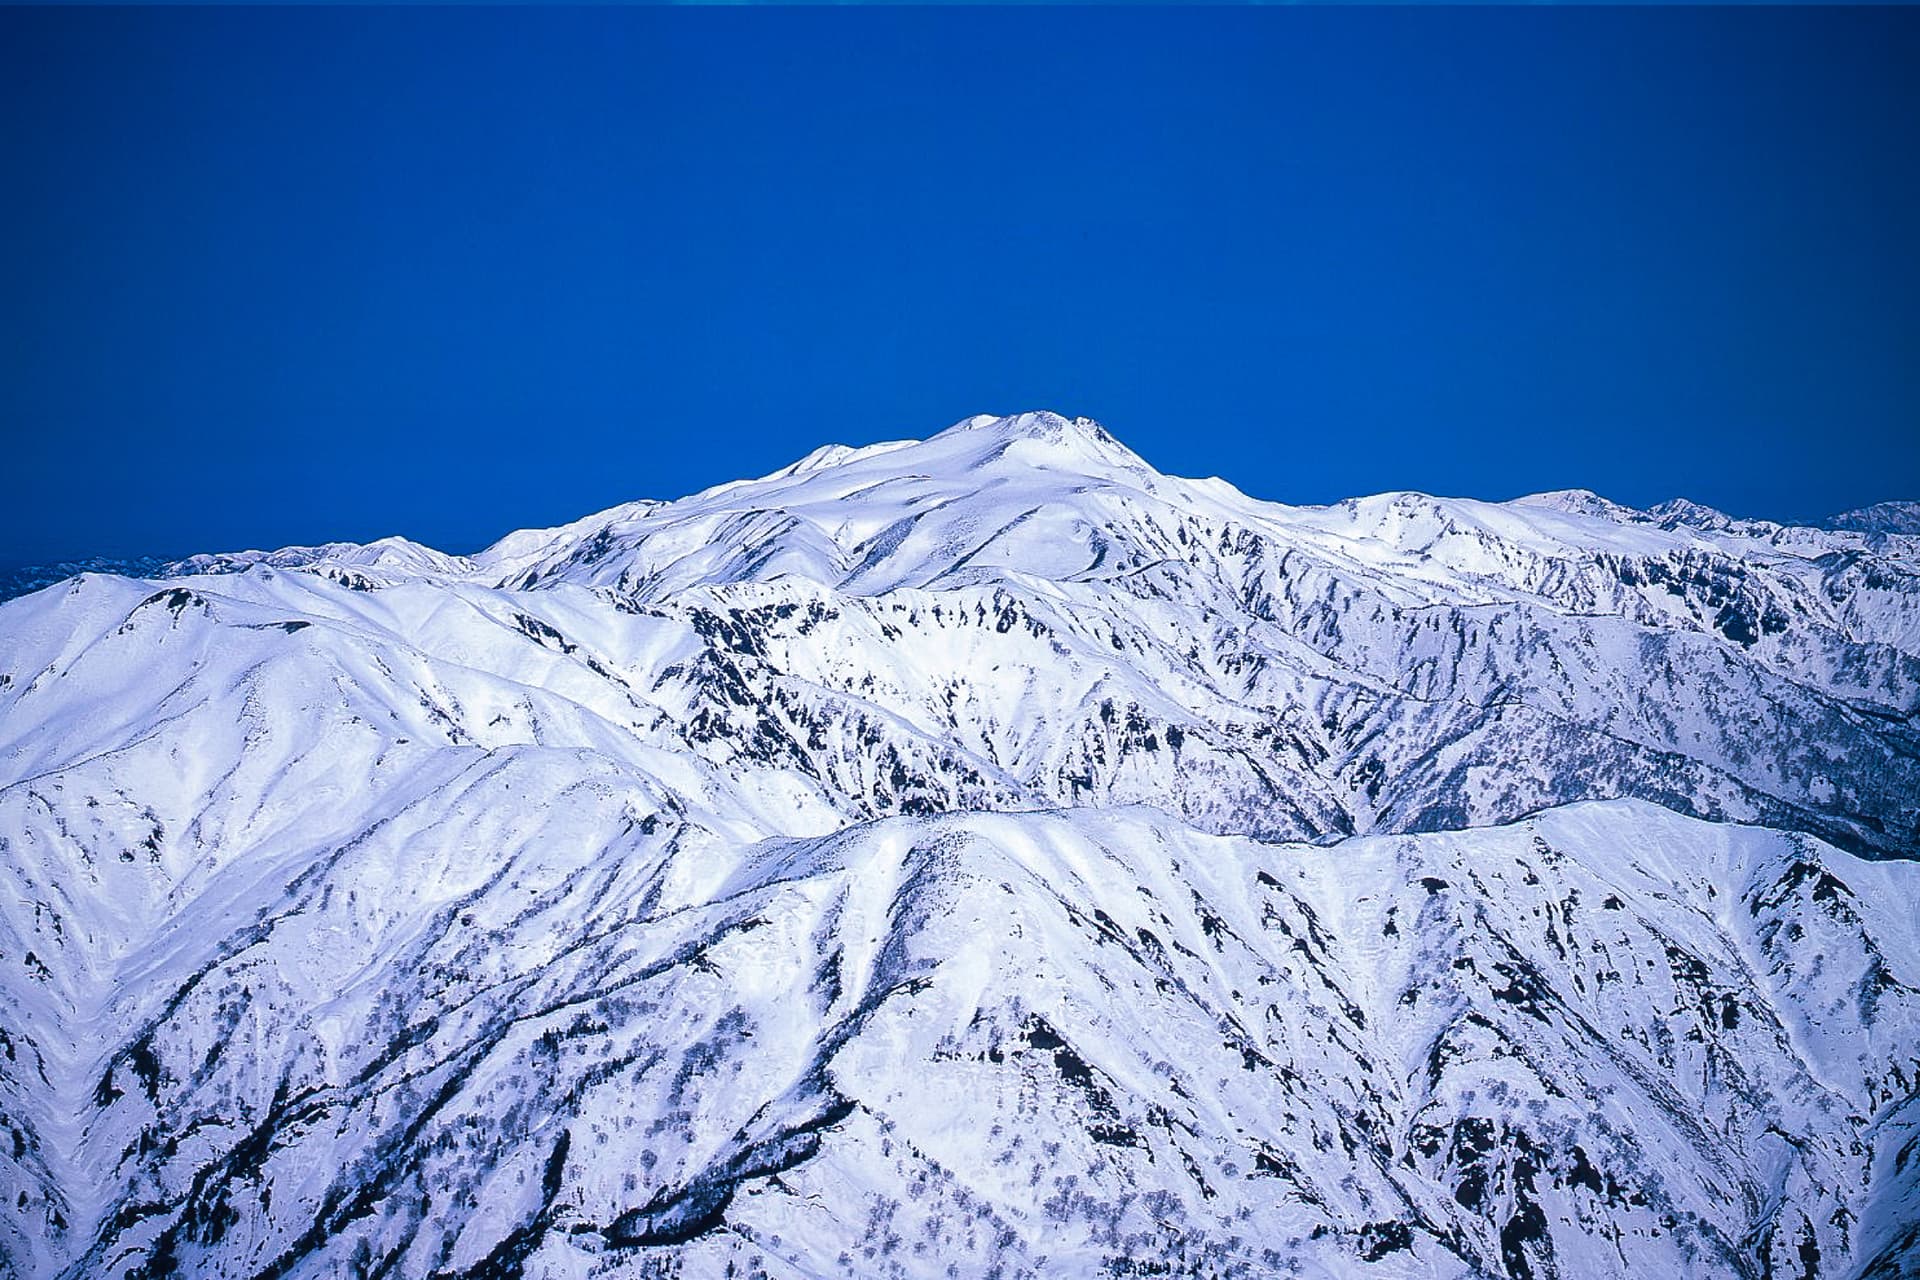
(982, 855)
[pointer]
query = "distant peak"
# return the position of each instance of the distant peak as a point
(1882, 517)
(1684, 512)
(1578, 502)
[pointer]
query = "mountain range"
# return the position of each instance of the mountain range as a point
(983, 855)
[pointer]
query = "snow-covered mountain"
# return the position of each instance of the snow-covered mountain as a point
(1881, 517)
(979, 855)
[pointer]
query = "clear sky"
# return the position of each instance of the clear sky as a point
(273, 276)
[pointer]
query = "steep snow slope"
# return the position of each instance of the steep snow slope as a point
(859, 871)
(509, 1028)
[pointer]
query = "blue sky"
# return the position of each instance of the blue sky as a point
(272, 276)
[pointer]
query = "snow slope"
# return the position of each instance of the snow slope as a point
(981, 853)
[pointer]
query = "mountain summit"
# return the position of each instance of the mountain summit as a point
(974, 855)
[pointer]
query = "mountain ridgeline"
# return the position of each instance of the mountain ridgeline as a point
(983, 855)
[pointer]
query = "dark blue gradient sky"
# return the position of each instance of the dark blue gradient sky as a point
(270, 276)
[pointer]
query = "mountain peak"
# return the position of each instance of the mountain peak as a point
(1578, 502)
(1039, 424)
(1047, 438)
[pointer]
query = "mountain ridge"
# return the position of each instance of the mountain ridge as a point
(1041, 504)
(1893, 518)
